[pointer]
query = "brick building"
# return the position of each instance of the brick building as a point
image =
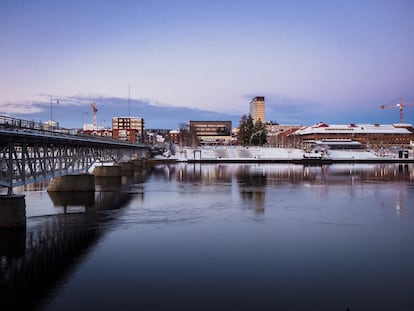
(128, 129)
(371, 135)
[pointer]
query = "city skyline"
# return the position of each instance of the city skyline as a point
(331, 61)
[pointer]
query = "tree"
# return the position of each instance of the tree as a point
(251, 133)
(184, 135)
(245, 130)
(259, 135)
(242, 130)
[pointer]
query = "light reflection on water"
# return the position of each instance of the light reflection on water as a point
(228, 237)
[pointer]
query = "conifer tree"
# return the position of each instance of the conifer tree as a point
(259, 135)
(246, 130)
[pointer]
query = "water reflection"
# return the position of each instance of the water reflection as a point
(322, 224)
(35, 259)
(254, 180)
(73, 199)
(12, 242)
(252, 185)
(335, 173)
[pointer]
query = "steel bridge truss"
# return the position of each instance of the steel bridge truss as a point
(25, 162)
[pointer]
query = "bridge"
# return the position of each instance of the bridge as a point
(33, 152)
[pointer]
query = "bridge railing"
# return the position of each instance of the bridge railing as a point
(9, 123)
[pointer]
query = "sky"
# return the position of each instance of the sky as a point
(316, 60)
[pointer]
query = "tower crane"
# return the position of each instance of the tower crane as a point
(400, 105)
(93, 105)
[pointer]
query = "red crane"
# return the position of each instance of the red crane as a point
(400, 105)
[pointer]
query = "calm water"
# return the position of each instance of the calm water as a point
(220, 237)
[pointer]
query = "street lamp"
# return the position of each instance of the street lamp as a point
(51, 101)
(83, 123)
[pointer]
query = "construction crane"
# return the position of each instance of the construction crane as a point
(93, 105)
(400, 105)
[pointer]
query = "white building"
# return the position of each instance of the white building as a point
(374, 135)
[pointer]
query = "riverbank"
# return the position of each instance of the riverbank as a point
(238, 154)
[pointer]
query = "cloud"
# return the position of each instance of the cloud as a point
(73, 111)
(23, 108)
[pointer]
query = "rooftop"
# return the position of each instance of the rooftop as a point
(323, 128)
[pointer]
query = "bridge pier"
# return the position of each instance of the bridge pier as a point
(108, 177)
(107, 171)
(78, 183)
(127, 168)
(140, 162)
(12, 211)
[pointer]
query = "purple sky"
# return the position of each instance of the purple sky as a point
(335, 61)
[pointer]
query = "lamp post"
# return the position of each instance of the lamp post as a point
(51, 102)
(83, 123)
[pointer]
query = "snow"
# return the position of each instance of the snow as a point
(268, 153)
(355, 128)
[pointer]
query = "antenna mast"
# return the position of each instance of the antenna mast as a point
(129, 104)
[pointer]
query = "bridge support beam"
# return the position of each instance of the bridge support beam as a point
(12, 211)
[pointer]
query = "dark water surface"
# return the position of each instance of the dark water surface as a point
(220, 237)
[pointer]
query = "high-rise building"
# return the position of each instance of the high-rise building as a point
(257, 109)
(128, 128)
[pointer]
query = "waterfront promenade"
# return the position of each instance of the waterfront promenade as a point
(239, 154)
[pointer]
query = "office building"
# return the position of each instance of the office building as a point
(210, 132)
(257, 109)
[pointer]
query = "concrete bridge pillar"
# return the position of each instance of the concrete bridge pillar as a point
(140, 162)
(108, 177)
(127, 168)
(107, 171)
(79, 183)
(12, 211)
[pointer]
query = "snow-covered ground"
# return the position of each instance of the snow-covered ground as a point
(267, 153)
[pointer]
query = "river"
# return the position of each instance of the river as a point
(219, 237)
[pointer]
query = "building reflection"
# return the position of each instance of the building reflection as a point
(253, 179)
(288, 173)
(252, 187)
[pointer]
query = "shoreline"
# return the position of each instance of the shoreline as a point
(281, 155)
(292, 161)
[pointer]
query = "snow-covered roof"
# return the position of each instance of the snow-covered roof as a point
(334, 142)
(323, 128)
